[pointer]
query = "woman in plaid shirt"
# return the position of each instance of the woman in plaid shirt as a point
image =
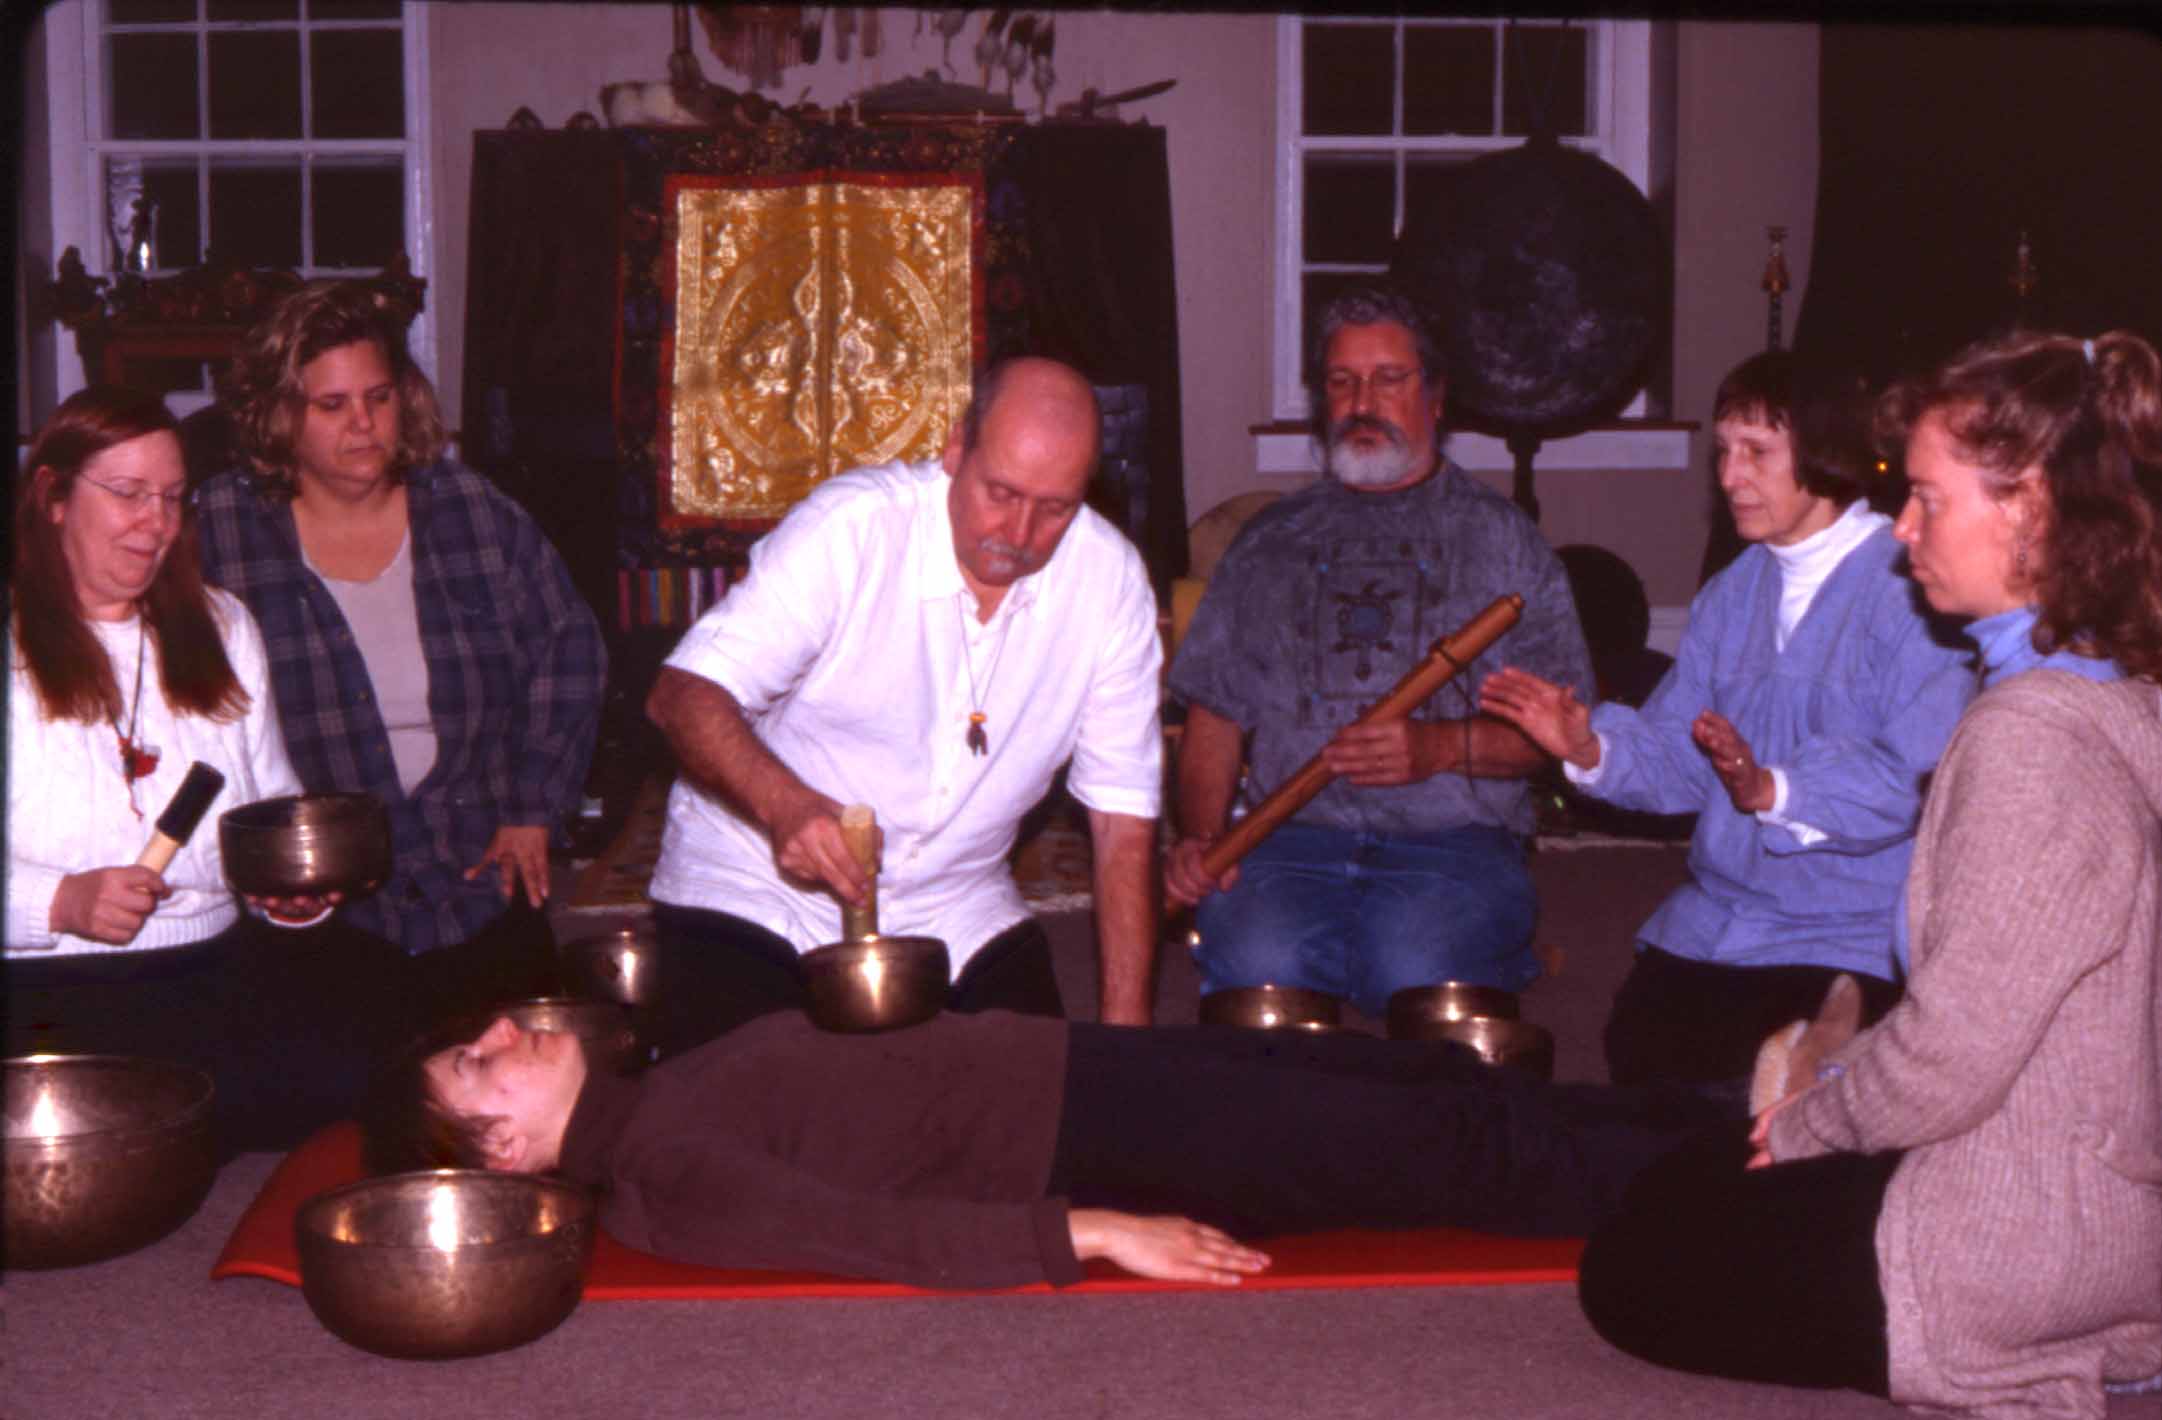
(426, 644)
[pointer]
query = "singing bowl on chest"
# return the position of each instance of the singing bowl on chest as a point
(306, 845)
(104, 1154)
(1272, 1008)
(876, 983)
(453, 1262)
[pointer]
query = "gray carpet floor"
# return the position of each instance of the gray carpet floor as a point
(149, 1335)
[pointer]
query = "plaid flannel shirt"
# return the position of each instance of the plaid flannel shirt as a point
(515, 674)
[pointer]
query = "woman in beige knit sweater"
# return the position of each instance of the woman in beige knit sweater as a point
(1963, 1209)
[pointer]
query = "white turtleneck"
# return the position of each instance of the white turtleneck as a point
(1805, 566)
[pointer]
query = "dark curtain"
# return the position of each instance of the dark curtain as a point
(540, 339)
(1102, 294)
(1941, 144)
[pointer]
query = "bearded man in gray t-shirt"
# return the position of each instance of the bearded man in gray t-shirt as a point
(1408, 869)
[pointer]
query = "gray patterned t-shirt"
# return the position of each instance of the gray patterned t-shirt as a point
(1330, 595)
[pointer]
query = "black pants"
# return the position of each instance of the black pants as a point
(1756, 1274)
(1263, 1132)
(1700, 1023)
(717, 970)
(285, 1024)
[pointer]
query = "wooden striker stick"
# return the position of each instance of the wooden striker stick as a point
(1448, 656)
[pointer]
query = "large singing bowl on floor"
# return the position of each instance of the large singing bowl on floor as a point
(105, 1154)
(878, 983)
(307, 845)
(453, 1262)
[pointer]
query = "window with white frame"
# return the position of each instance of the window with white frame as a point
(1376, 113)
(260, 133)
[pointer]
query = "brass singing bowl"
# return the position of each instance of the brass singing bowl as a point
(452, 1262)
(1519, 1045)
(615, 966)
(307, 845)
(1413, 1010)
(1272, 1008)
(610, 1035)
(878, 983)
(104, 1154)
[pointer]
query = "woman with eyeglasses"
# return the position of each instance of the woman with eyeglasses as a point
(125, 670)
(1962, 1208)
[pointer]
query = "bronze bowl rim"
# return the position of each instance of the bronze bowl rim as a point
(1409, 1005)
(1313, 1007)
(308, 1218)
(196, 1110)
(339, 801)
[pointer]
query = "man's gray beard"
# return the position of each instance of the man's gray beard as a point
(1370, 468)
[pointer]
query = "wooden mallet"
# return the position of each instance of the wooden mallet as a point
(177, 824)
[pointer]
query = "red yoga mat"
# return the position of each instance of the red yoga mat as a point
(262, 1246)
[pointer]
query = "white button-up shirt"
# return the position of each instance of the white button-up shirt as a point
(854, 648)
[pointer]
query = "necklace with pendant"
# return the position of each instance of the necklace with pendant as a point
(137, 760)
(979, 741)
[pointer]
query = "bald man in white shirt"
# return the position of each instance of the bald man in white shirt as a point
(934, 640)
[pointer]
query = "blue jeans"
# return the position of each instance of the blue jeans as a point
(1363, 915)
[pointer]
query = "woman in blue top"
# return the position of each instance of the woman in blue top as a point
(1811, 698)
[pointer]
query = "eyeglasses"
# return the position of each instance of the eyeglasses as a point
(1387, 380)
(135, 496)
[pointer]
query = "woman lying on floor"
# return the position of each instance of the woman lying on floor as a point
(997, 1149)
(1964, 1211)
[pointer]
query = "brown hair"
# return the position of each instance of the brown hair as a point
(404, 1127)
(2080, 423)
(1370, 303)
(263, 385)
(1826, 418)
(68, 665)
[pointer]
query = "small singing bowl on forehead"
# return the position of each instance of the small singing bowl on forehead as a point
(104, 1154)
(610, 1037)
(615, 966)
(452, 1262)
(1519, 1045)
(1272, 1008)
(307, 845)
(1415, 1008)
(878, 983)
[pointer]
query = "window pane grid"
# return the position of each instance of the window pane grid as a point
(1414, 98)
(264, 185)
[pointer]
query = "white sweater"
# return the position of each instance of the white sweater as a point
(68, 803)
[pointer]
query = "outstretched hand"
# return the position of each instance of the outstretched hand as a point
(1550, 715)
(1174, 1249)
(518, 851)
(1748, 784)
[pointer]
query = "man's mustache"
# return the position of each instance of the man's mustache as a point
(1351, 424)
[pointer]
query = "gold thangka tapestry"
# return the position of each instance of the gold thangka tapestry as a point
(822, 322)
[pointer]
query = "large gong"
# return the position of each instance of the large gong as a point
(1545, 274)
